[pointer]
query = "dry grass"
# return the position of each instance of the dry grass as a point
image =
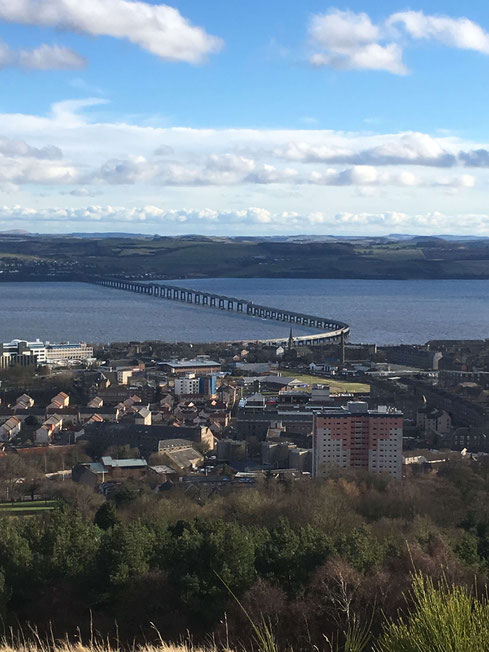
(65, 646)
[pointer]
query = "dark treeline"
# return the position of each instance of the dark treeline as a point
(308, 557)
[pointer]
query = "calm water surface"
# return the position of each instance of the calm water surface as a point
(377, 311)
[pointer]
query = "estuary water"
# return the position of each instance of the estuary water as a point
(378, 311)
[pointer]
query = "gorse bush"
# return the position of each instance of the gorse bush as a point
(442, 618)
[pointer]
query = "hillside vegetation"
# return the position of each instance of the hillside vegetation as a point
(70, 257)
(310, 561)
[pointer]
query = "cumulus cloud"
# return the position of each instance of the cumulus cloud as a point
(45, 57)
(37, 172)
(21, 163)
(164, 150)
(159, 29)
(232, 169)
(351, 41)
(459, 33)
(83, 192)
(403, 149)
(15, 148)
(51, 57)
(261, 219)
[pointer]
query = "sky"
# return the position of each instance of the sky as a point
(264, 117)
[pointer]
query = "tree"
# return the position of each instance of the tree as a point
(207, 560)
(106, 516)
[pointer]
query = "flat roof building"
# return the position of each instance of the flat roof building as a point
(196, 366)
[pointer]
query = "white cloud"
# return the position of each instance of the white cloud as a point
(45, 57)
(15, 148)
(343, 30)
(197, 158)
(262, 220)
(51, 57)
(288, 174)
(351, 41)
(159, 29)
(459, 33)
(398, 149)
(83, 192)
(5, 55)
(230, 169)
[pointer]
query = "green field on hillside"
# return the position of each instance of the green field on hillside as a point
(198, 256)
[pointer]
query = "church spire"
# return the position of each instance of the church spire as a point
(290, 345)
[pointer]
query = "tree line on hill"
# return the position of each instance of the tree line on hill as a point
(311, 560)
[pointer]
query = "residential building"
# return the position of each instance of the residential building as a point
(10, 428)
(433, 419)
(472, 438)
(49, 428)
(123, 376)
(61, 400)
(24, 402)
(187, 385)
(453, 377)
(231, 450)
(145, 438)
(143, 417)
(412, 355)
(359, 438)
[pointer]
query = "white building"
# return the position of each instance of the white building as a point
(59, 353)
(187, 384)
(23, 352)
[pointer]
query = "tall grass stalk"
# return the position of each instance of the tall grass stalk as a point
(263, 634)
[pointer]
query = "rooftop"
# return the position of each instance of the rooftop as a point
(130, 463)
(181, 364)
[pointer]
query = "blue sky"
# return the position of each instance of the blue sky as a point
(233, 118)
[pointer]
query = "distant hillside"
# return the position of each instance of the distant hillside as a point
(28, 256)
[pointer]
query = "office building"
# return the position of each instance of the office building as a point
(24, 353)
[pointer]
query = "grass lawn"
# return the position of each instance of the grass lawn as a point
(337, 386)
(28, 507)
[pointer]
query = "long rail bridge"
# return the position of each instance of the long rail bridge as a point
(331, 330)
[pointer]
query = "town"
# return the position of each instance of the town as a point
(231, 416)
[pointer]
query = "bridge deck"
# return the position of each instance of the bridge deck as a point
(331, 330)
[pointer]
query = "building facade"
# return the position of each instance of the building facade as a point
(359, 438)
(23, 352)
(187, 385)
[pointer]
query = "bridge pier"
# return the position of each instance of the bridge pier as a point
(332, 331)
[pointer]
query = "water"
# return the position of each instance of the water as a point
(377, 311)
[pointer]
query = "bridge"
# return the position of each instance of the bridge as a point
(330, 330)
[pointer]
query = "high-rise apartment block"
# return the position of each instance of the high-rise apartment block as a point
(359, 438)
